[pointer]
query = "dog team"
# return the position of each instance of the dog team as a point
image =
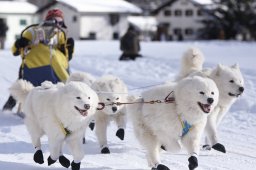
(200, 99)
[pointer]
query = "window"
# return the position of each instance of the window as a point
(199, 12)
(177, 12)
(177, 31)
(189, 12)
(167, 13)
(92, 36)
(74, 18)
(114, 19)
(23, 22)
(115, 36)
(189, 31)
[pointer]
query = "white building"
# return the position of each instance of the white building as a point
(94, 19)
(178, 19)
(17, 15)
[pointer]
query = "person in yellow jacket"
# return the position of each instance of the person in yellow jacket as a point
(45, 52)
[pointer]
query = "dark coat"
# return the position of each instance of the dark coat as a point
(3, 28)
(130, 43)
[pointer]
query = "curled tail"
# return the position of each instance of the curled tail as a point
(192, 60)
(20, 89)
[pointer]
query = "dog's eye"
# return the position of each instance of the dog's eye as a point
(89, 98)
(201, 92)
(212, 93)
(108, 99)
(117, 98)
(231, 81)
(78, 98)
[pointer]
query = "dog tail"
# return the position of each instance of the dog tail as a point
(20, 89)
(192, 61)
(82, 77)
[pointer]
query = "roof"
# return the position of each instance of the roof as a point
(110, 6)
(17, 7)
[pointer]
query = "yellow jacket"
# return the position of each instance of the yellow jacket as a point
(39, 54)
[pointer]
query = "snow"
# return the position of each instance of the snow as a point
(160, 64)
(103, 6)
(11, 7)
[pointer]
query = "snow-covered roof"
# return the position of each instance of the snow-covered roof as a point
(144, 23)
(17, 7)
(119, 6)
(204, 2)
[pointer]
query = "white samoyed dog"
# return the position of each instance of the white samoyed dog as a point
(58, 111)
(88, 79)
(110, 90)
(173, 125)
(230, 83)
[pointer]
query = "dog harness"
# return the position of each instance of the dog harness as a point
(186, 127)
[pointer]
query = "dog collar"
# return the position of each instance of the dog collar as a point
(186, 127)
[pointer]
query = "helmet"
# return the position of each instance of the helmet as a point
(51, 14)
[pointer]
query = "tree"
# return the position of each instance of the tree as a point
(229, 18)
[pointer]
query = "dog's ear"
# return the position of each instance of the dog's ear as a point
(235, 66)
(218, 69)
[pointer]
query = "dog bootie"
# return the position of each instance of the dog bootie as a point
(75, 166)
(120, 133)
(50, 161)
(193, 163)
(160, 167)
(64, 161)
(206, 147)
(219, 147)
(39, 157)
(91, 125)
(105, 150)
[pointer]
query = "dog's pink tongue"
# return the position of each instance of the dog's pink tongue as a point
(207, 108)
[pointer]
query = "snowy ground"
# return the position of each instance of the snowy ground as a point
(160, 64)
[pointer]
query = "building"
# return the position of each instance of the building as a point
(94, 19)
(17, 15)
(178, 20)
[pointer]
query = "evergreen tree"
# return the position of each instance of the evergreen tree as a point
(230, 18)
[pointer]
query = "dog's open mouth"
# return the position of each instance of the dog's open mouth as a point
(234, 95)
(83, 112)
(206, 108)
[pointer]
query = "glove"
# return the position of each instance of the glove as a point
(70, 47)
(21, 42)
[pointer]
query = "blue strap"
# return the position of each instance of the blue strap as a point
(186, 127)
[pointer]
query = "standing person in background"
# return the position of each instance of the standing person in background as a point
(3, 30)
(45, 52)
(130, 45)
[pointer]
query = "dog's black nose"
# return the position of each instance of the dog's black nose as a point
(114, 109)
(210, 100)
(241, 89)
(87, 106)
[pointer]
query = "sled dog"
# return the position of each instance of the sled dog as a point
(230, 83)
(173, 125)
(111, 90)
(58, 111)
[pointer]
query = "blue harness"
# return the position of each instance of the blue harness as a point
(186, 127)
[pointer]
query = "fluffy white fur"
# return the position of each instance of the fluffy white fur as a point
(82, 77)
(51, 108)
(191, 61)
(157, 125)
(230, 83)
(110, 89)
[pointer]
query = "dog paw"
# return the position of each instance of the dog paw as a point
(84, 141)
(64, 161)
(120, 133)
(75, 166)
(91, 125)
(50, 161)
(206, 147)
(39, 157)
(105, 150)
(193, 163)
(161, 167)
(219, 147)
